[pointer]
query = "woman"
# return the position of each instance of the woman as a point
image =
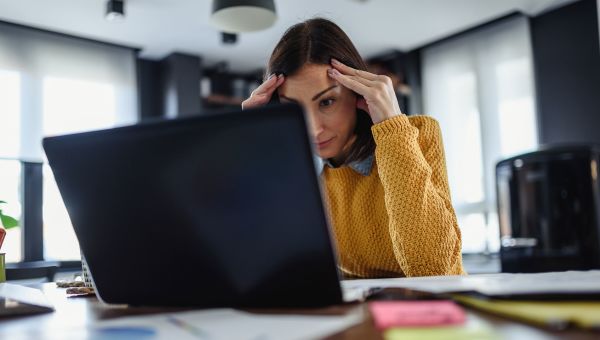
(384, 173)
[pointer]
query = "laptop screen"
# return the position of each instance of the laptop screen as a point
(229, 203)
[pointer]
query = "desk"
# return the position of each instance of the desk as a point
(82, 311)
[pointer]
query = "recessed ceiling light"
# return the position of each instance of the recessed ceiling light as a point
(115, 10)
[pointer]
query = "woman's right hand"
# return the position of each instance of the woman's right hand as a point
(263, 93)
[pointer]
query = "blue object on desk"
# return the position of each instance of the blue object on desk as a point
(129, 333)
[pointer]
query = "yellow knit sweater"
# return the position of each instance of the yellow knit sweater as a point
(398, 220)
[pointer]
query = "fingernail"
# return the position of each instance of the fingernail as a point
(334, 61)
(271, 76)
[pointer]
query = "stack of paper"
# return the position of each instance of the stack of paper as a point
(423, 319)
(570, 282)
(569, 285)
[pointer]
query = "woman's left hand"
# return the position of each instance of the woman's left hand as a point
(379, 98)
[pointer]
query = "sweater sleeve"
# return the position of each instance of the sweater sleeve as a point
(410, 160)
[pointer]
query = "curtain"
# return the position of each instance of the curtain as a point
(54, 84)
(480, 87)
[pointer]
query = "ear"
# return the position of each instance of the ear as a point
(361, 104)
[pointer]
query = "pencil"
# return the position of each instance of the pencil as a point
(195, 331)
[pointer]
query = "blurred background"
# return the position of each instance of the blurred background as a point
(503, 77)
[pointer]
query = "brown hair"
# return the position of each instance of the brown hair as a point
(316, 41)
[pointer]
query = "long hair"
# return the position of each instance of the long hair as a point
(316, 41)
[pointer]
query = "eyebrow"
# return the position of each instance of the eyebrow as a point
(316, 96)
(323, 92)
(286, 98)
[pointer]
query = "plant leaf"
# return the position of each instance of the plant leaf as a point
(8, 222)
(2, 202)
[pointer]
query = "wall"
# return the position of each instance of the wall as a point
(566, 48)
(169, 87)
(151, 102)
(181, 85)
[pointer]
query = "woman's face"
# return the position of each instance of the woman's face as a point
(330, 107)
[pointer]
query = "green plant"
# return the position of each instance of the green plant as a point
(8, 221)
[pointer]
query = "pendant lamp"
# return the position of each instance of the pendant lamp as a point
(237, 16)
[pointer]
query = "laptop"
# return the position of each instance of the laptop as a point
(221, 210)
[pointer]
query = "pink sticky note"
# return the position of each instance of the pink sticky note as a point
(416, 313)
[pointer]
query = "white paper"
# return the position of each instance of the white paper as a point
(569, 282)
(24, 294)
(217, 324)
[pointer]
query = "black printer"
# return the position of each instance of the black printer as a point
(549, 209)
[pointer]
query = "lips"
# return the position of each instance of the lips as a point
(325, 143)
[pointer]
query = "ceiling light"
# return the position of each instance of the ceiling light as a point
(229, 38)
(115, 10)
(236, 16)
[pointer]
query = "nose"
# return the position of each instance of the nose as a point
(315, 124)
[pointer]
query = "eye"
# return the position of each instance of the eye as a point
(326, 102)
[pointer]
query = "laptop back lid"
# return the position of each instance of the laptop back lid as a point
(220, 210)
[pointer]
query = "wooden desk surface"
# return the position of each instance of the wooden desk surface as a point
(81, 311)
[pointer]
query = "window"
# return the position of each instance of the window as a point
(69, 106)
(10, 170)
(10, 106)
(10, 175)
(50, 85)
(480, 88)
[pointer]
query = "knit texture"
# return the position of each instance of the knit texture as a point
(399, 220)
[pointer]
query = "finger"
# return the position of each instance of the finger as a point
(275, 83)
(361, 103)
(269, 91)
(280, 80)
(260, 98)
(263, 97)
(272, 80)
(255, 101)
(349, 82)
(347, 70)
(366, 82)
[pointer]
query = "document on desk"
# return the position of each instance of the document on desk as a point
(557, 315)
(569, 282)
(20, 300)
(217, 324)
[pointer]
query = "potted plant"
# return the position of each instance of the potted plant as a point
(7, 222)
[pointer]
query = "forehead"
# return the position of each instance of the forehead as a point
(310, 79)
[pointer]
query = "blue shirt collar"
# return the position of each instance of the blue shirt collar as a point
(362, 167)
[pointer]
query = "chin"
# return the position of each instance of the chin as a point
(326, 154)
(323, 155)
